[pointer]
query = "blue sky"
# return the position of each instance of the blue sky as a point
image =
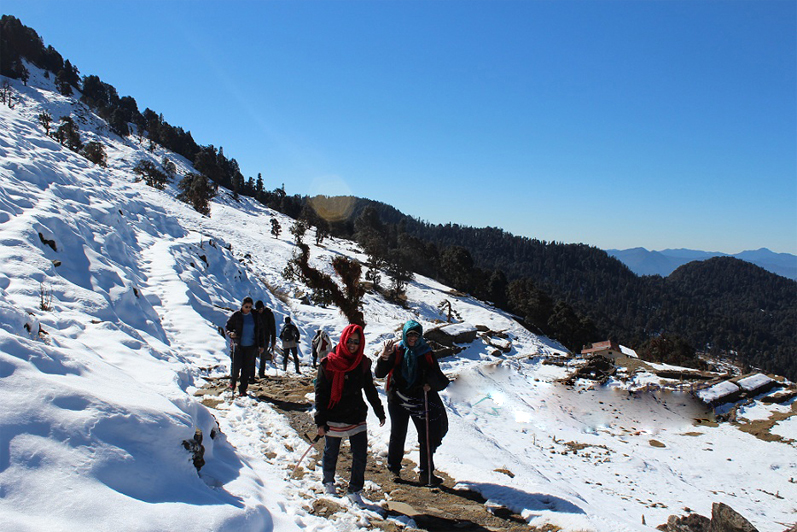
(660, 124)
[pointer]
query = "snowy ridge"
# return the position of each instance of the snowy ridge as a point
(97, 391)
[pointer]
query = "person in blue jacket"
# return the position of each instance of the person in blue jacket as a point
(244, 329)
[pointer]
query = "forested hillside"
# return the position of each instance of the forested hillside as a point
(723, 305)
(572, 292)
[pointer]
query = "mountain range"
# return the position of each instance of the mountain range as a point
(644, 262)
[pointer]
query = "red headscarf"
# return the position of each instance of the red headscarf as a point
(340, 361)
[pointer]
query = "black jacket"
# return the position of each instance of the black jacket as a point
(429, 372)
(269, 327)
(351, 408)
(236, 324)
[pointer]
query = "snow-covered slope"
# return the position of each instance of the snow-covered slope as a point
(105, 339)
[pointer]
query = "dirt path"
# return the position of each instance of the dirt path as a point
(441, 508)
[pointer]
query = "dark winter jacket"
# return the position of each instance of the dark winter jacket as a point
(429, 372)
(236, 324)
(284, 335)
(269, 327)
(351, 408)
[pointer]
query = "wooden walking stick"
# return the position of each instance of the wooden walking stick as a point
(312, 442)
(428, 447)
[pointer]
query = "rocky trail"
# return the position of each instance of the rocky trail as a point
(434, 509)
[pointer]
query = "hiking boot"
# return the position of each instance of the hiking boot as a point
(355, 498)
(395, 474)
(424, 480)
(252, 380)
(231, 386)
(329, 488)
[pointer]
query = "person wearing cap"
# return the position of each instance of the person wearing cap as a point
(243, 328)
(290, 344)
(269, 330)
(341, 412)
(413, 381)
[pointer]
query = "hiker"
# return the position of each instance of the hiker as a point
(290, 344)
(413, 379)
(269, 331)
(321, 345)
(244, 330)
(340, 410)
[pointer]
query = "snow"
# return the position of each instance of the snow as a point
(754, 382)
(627, 351)
(94, 408)
(456, 329)
(718, 391)
(787, 428)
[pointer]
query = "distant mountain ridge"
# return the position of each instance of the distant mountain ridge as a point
(664, 262)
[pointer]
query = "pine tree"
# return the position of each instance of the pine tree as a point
(298, 231)
(95, 152)
(46, 120)
(197, 192)
(150, 174)
(62, 83)
(276, 229)
(68, 134)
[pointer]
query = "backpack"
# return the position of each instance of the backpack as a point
(289, 333)
(322, 344)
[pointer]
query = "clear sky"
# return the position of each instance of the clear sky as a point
(660, 124)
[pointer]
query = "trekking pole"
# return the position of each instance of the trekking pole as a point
(428, 447)
(232, 365)
(312, 442)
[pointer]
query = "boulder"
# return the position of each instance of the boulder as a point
(723, 519)
(456, 333)
(689, 523)
(726, 519)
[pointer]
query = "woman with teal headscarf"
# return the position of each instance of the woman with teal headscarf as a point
(414, 379)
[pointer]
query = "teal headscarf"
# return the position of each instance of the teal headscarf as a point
(409, 365)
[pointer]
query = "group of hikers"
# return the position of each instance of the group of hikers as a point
(253, 334)
(412, 375)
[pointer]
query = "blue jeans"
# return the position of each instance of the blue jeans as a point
(359, 452)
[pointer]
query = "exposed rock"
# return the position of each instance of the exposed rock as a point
(502, 344)
(442, 351)
(598, 368)
(48, 242)
(723, 519)
(493, 352)
(456, 333)
(726, 519)
(690, 523)
(780, 397)
(684, 375)
(197, 450)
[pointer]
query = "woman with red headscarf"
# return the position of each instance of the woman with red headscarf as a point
(341, 412)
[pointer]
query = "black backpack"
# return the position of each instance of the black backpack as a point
(289, 333)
